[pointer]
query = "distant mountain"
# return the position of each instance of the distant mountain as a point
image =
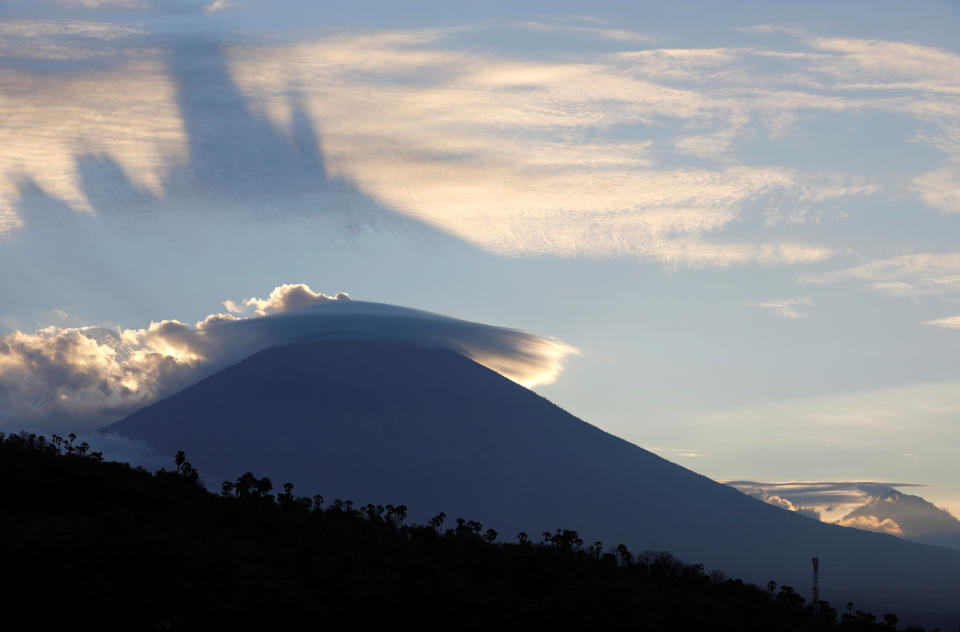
(909, 516)
(870, 505)
(383, 422)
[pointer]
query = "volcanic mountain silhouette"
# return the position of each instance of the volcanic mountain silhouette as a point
(387, 422)
(916, 518)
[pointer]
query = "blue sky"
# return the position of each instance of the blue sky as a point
(744, 218)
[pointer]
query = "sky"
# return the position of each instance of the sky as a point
(732, 230)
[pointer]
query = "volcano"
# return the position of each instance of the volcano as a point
(426, 427)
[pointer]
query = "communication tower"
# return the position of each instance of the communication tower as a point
(816, 580)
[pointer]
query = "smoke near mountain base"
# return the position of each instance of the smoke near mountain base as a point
(80, 378)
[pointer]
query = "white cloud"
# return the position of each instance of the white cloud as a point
(127, 113)
(520, 156)
(285, 298)
(686, 64)
(861, 505)
(36, 36)
(232, 307)
(787, 307)
(906, 275)
(783, 503)
(464, 144)
(827, 501)
(86, 377)
(879, 64)
(99, 4)
(218, 5)
(604, 31)
(496, 151)
(871, 523)
(940, 189)
(952, 322)
(714, 146)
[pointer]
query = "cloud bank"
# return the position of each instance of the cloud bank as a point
(520, 155)
(862, 505)
(819, 500)
(637, 150)
(82, 378)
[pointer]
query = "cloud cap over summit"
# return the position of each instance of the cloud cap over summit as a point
(81, 378)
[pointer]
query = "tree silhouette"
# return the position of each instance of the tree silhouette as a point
(286, 497)
(245, 485)
(240, 559)
(184, 468)
(396, 514)
(263, 487)
(374, 512)
(596, 550)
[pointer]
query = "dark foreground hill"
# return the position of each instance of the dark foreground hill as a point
(380, 422)
(93, 545)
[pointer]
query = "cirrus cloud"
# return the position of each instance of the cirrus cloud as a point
(520, 156)
(786, 307)
(936, 274)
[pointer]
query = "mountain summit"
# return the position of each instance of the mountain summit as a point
(386, 422)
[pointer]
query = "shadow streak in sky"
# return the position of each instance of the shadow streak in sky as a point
(239, 169)
(238, 163)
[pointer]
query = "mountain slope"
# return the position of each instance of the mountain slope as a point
(381, 423)
(157, 551)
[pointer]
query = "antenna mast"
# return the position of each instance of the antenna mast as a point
(816, 580)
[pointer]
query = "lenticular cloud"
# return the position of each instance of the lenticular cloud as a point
(82, 378)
